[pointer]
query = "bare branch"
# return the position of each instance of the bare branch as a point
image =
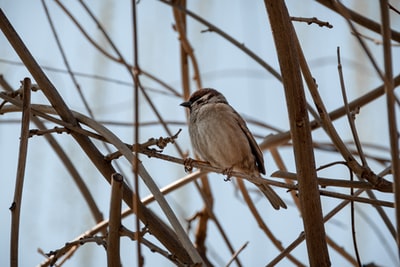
(19, 181)
(312, 20)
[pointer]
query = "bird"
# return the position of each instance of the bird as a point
(220, 136)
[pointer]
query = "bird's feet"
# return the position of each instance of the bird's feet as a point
(187, 163)
(228, 173)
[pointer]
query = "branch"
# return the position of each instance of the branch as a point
(113, 238)
(53, 256)
(391, 111)
(19, 181)
(312, 20)
(311, 210)
(236, 254)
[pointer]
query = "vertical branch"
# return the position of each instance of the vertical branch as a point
(301, 133)
(136, 197)
(186, 48)
(180, 21)
(390, 102)
(186, 53)
(113, 243)
(348, 113)
(359, 150)
(19, 183)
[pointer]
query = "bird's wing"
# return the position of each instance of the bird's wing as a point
(253, 144)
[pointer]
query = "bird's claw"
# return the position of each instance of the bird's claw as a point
(228, 173)
(187, 163)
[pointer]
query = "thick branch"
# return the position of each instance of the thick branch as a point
(285, 43)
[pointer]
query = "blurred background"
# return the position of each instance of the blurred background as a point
(53, 210)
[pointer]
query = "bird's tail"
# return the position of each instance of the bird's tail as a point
(272, 196)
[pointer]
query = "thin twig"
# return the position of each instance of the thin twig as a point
(375, 41)
(357, 17)
(346, 15)
(84, 33)
(65, 59)
(53, 256)
(391, 110)
(312, 20)
(136, 137)
(350, 118)
(236, 254)
(186, 48)
(325, 182)
(19, 181)
(152, 247)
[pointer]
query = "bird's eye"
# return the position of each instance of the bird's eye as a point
(199, 101)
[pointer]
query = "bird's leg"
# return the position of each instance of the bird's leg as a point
(228, 173)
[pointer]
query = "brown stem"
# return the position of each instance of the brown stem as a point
(311, 210)
(391, 105)
(19, 183)
(114, 225)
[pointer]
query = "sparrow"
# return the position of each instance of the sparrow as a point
(220, 136)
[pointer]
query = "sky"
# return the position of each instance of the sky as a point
(53, 210)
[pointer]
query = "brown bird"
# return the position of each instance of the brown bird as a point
(220, 136)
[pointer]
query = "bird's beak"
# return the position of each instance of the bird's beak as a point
(186, 104)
